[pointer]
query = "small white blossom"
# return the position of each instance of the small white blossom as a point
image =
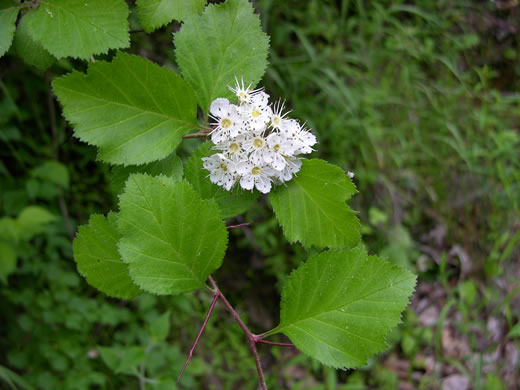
(279, 147)
(305, 139)
(257, 144)
(256, 147)
(222, 170)
(278, 118)
(228, 121)
(243, 93)
(233, 149)
(257, 113)
(253, 175)
(292, 166)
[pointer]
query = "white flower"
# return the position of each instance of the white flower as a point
(279, 146)
(228, 122)
(222, 170)
(257, 113)
(233, 148)
(292, 166)
(259, 176)
(243, 93)
(256, 147)
(278, 117)
(302, 139)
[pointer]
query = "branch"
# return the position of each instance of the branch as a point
(238, 226)
(252, 339)
(213, 303)
(200, 134)
(250, 336)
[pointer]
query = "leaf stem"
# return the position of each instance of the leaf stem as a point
(258, 340)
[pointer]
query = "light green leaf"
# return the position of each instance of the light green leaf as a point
(231, 203)
(13, 378)
(514, 332)
(134, 110)
(157, 13)
(95, 252)
(53, 172)
(29, 50)
(171, 166)
(224, 42)
(79, 28)
(339, 306)
(9, 230)
(123, 359)
(7, 260)
(160, 327)
(172, 239)
(32, 220)
(311, 207)
(8, 15)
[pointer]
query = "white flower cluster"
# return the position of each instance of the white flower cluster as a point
(257, 144)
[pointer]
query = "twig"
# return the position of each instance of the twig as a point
(213, 303)
(238, 226)
(200, 134)
(252, 339)
(250, 336)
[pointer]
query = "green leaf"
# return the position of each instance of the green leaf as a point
(32, 220)
(171, 166)
(53, 172)
(123, 359)
(339, 306)
(29, 50)
(7, 260)
(514, 332)
(157, 13)
(224, 42)
(95, 252)
(160, 327)
(8, 14)
(311, 208)
(134, 110)
(171, 238)
(9, 230)
(79, 28)
(231, 203)
(13, 378)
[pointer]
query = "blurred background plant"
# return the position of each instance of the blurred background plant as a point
(418, 98)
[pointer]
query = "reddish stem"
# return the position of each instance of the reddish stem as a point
(201, 134)
(213, 303)
(257, 340)
(239, 225)
(252, 339)
(250, 336)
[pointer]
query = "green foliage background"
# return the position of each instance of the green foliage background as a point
(420, 99)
